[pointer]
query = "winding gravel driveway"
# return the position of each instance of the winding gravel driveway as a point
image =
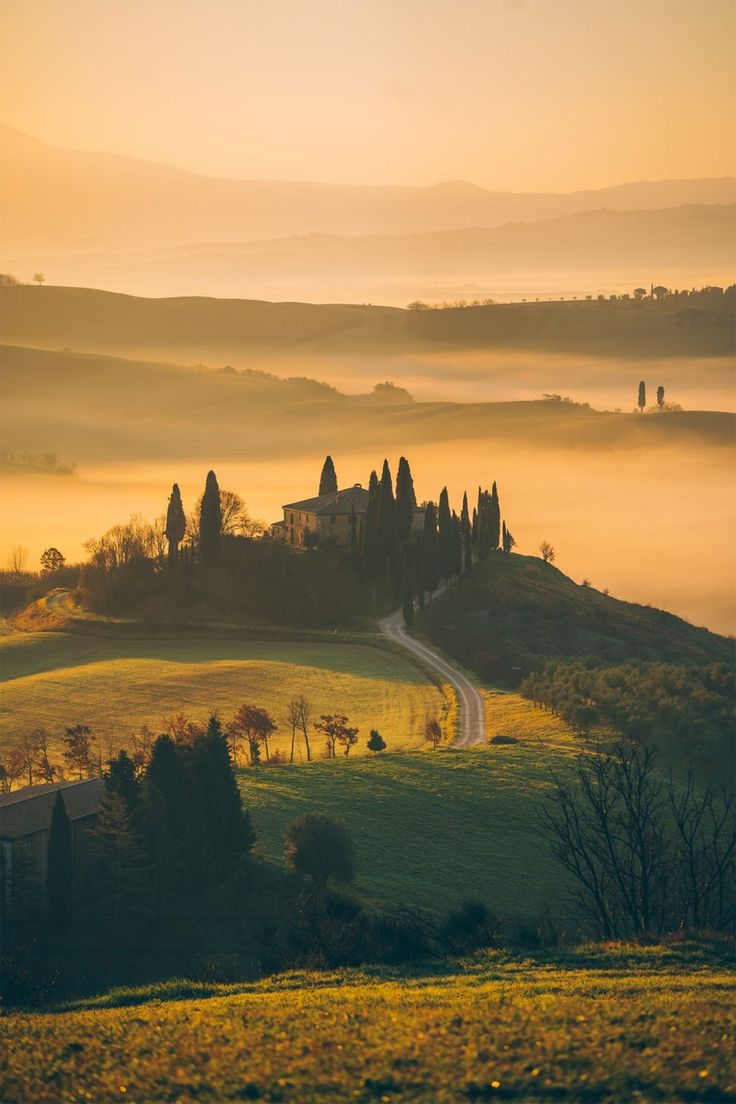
(472, 718)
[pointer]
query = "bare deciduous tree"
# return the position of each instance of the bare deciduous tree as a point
(645, 856)
(547, 552)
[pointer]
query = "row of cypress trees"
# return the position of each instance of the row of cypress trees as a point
(177, 828)
(413, 563)
(210, 522)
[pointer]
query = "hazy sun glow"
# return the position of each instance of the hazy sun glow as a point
(511, 94)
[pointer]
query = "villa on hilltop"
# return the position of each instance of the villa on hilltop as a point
(326, 515)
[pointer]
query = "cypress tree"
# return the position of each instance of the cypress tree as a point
(328, 478)
(475, 527)
(59, 866)
(175, 523)
(123, 878)
(406, 500)
(353, 536)
(467, 535)
(407, 602)
(386, 511)
(372, 560)
(641, 401)
(210, 522)
(494, 519)
(482, 536)
(457, 545)
(430, 576)
(446, 541)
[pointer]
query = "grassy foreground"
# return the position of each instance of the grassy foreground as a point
(606, 1025)
(116, 685)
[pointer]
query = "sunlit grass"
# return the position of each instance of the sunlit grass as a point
(608, 1025)
(115, 686)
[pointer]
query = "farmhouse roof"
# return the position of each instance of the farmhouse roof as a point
(353, 500)
(28, 811)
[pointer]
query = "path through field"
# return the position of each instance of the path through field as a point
(472, 720)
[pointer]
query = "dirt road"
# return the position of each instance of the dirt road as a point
(472, 719)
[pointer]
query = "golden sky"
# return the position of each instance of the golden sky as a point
(511, 94)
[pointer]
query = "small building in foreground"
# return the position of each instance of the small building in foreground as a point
(25, 821)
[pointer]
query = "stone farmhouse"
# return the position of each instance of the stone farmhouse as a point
(25, 821)
(328, 515)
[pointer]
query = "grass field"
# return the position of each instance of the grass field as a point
(594, 1025)
(115, 685)
(432, 829)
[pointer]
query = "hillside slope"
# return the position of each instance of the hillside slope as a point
(183, 328)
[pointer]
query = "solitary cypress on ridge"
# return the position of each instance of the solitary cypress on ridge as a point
(59, 868)
(457, 545)
(406, 500)
(210, 522)
(641, 402)
(175, 523)
(328, 478)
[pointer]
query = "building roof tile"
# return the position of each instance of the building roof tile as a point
(27, 811)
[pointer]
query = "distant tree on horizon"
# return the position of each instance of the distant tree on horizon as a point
(39, 278)
(51, 560)
(660, 396)
(641, 401)
(547, 552)
(328, 478)
(467, 535)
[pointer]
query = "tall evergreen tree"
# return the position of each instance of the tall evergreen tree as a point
(482, 534)
(175, 523)
(641, 401)
(121, 779)
(430, 576)
(467, 535)
(371, 551)
(494, 519)
(210, 522)
(407, 594)
(457, 545)
(165, 803)
(406, 500)
(226, 834)
(59, 865)
(328, 478)
(353, 536)
(446, 540)
(660, 397)
(386, 511)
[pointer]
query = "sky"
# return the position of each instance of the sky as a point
(537, 95)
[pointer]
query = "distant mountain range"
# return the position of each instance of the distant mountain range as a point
(91, 202)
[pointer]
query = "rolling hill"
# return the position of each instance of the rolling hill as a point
(193, 327)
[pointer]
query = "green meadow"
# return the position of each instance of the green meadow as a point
(605, 1024)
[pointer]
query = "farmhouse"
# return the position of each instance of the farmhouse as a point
(327, 515)
(25, 820)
